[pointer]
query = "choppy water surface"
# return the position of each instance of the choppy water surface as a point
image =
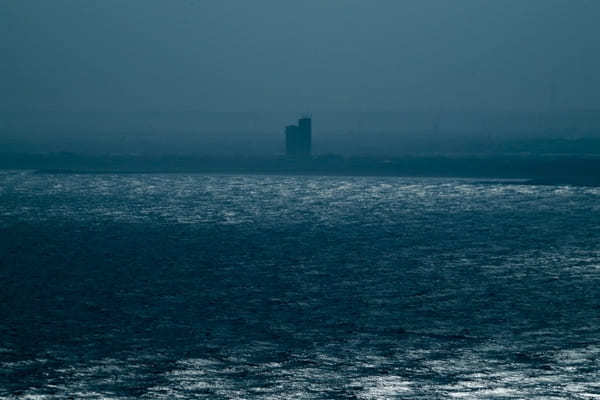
(238, 287)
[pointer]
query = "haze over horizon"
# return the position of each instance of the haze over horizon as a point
(77, 69)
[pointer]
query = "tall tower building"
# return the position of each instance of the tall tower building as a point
(291, 140)
(298, 138)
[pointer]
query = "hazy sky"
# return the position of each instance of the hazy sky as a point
(278, 55)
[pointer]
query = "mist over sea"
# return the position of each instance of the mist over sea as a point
(162, 286)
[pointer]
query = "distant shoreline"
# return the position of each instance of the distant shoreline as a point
(530, 169)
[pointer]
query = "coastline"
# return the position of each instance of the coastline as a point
(575, 170)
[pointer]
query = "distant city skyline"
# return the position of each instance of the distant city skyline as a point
(263, 133)
(202, 76)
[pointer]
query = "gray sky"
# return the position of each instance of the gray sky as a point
(279, 55)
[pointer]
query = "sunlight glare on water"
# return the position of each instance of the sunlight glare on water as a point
(277, 287)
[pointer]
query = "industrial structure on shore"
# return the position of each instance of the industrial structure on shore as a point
(298, 138)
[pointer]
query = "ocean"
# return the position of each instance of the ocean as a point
(181, 286)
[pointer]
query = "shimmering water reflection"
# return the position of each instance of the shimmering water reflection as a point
(237, 287)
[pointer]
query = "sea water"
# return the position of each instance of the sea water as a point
(276, 287)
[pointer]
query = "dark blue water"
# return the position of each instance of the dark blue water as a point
(238, 287)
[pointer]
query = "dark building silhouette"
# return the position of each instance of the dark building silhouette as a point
(298, 138)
